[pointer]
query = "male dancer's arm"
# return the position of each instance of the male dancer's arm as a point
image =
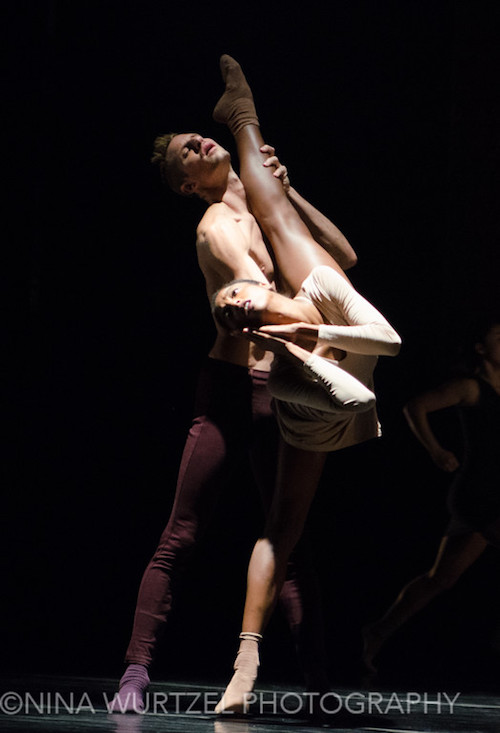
(324, 231)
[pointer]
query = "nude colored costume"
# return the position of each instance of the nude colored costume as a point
(328, 405)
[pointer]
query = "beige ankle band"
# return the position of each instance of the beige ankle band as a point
(251, 636)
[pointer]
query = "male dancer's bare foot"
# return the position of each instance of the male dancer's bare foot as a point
(236, 107)
(235, 698)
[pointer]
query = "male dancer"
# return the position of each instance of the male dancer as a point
(233, 416)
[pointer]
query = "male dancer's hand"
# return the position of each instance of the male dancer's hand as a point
(280, 170)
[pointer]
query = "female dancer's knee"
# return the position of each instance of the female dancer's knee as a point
(284, 537)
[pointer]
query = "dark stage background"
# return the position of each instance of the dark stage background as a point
(386, 114)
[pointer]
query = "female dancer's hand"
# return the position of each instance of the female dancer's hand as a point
(272, 161)
(302, 334)
(279, 346)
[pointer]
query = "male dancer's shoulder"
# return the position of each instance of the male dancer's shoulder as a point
(222, 246)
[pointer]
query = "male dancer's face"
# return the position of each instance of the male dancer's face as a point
(201, 158)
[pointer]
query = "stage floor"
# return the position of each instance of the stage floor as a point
(59, 704)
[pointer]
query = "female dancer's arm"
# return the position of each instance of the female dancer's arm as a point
(333, 389)
(368, 331)
(308, 379)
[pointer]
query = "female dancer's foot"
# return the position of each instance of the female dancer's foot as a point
(132, 689)
(235, 108)
(235, 698)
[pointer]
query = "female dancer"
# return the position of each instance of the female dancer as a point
(474, 499)
(300, 325)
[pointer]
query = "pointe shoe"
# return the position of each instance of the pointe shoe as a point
(236, 107)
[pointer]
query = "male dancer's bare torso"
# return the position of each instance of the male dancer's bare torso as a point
(230, 246)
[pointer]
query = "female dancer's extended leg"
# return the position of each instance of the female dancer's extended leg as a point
(297, 253)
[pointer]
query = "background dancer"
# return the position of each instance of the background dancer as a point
(474, 497)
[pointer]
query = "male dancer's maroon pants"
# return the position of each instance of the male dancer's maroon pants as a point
(233, 422)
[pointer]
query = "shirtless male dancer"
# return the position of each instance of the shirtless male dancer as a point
(233, 418)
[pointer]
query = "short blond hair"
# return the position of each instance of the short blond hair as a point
(170, 168)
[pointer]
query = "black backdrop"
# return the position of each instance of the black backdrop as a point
(386, 114)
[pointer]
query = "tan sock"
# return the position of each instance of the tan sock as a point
(235, 698)
(236, 107)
